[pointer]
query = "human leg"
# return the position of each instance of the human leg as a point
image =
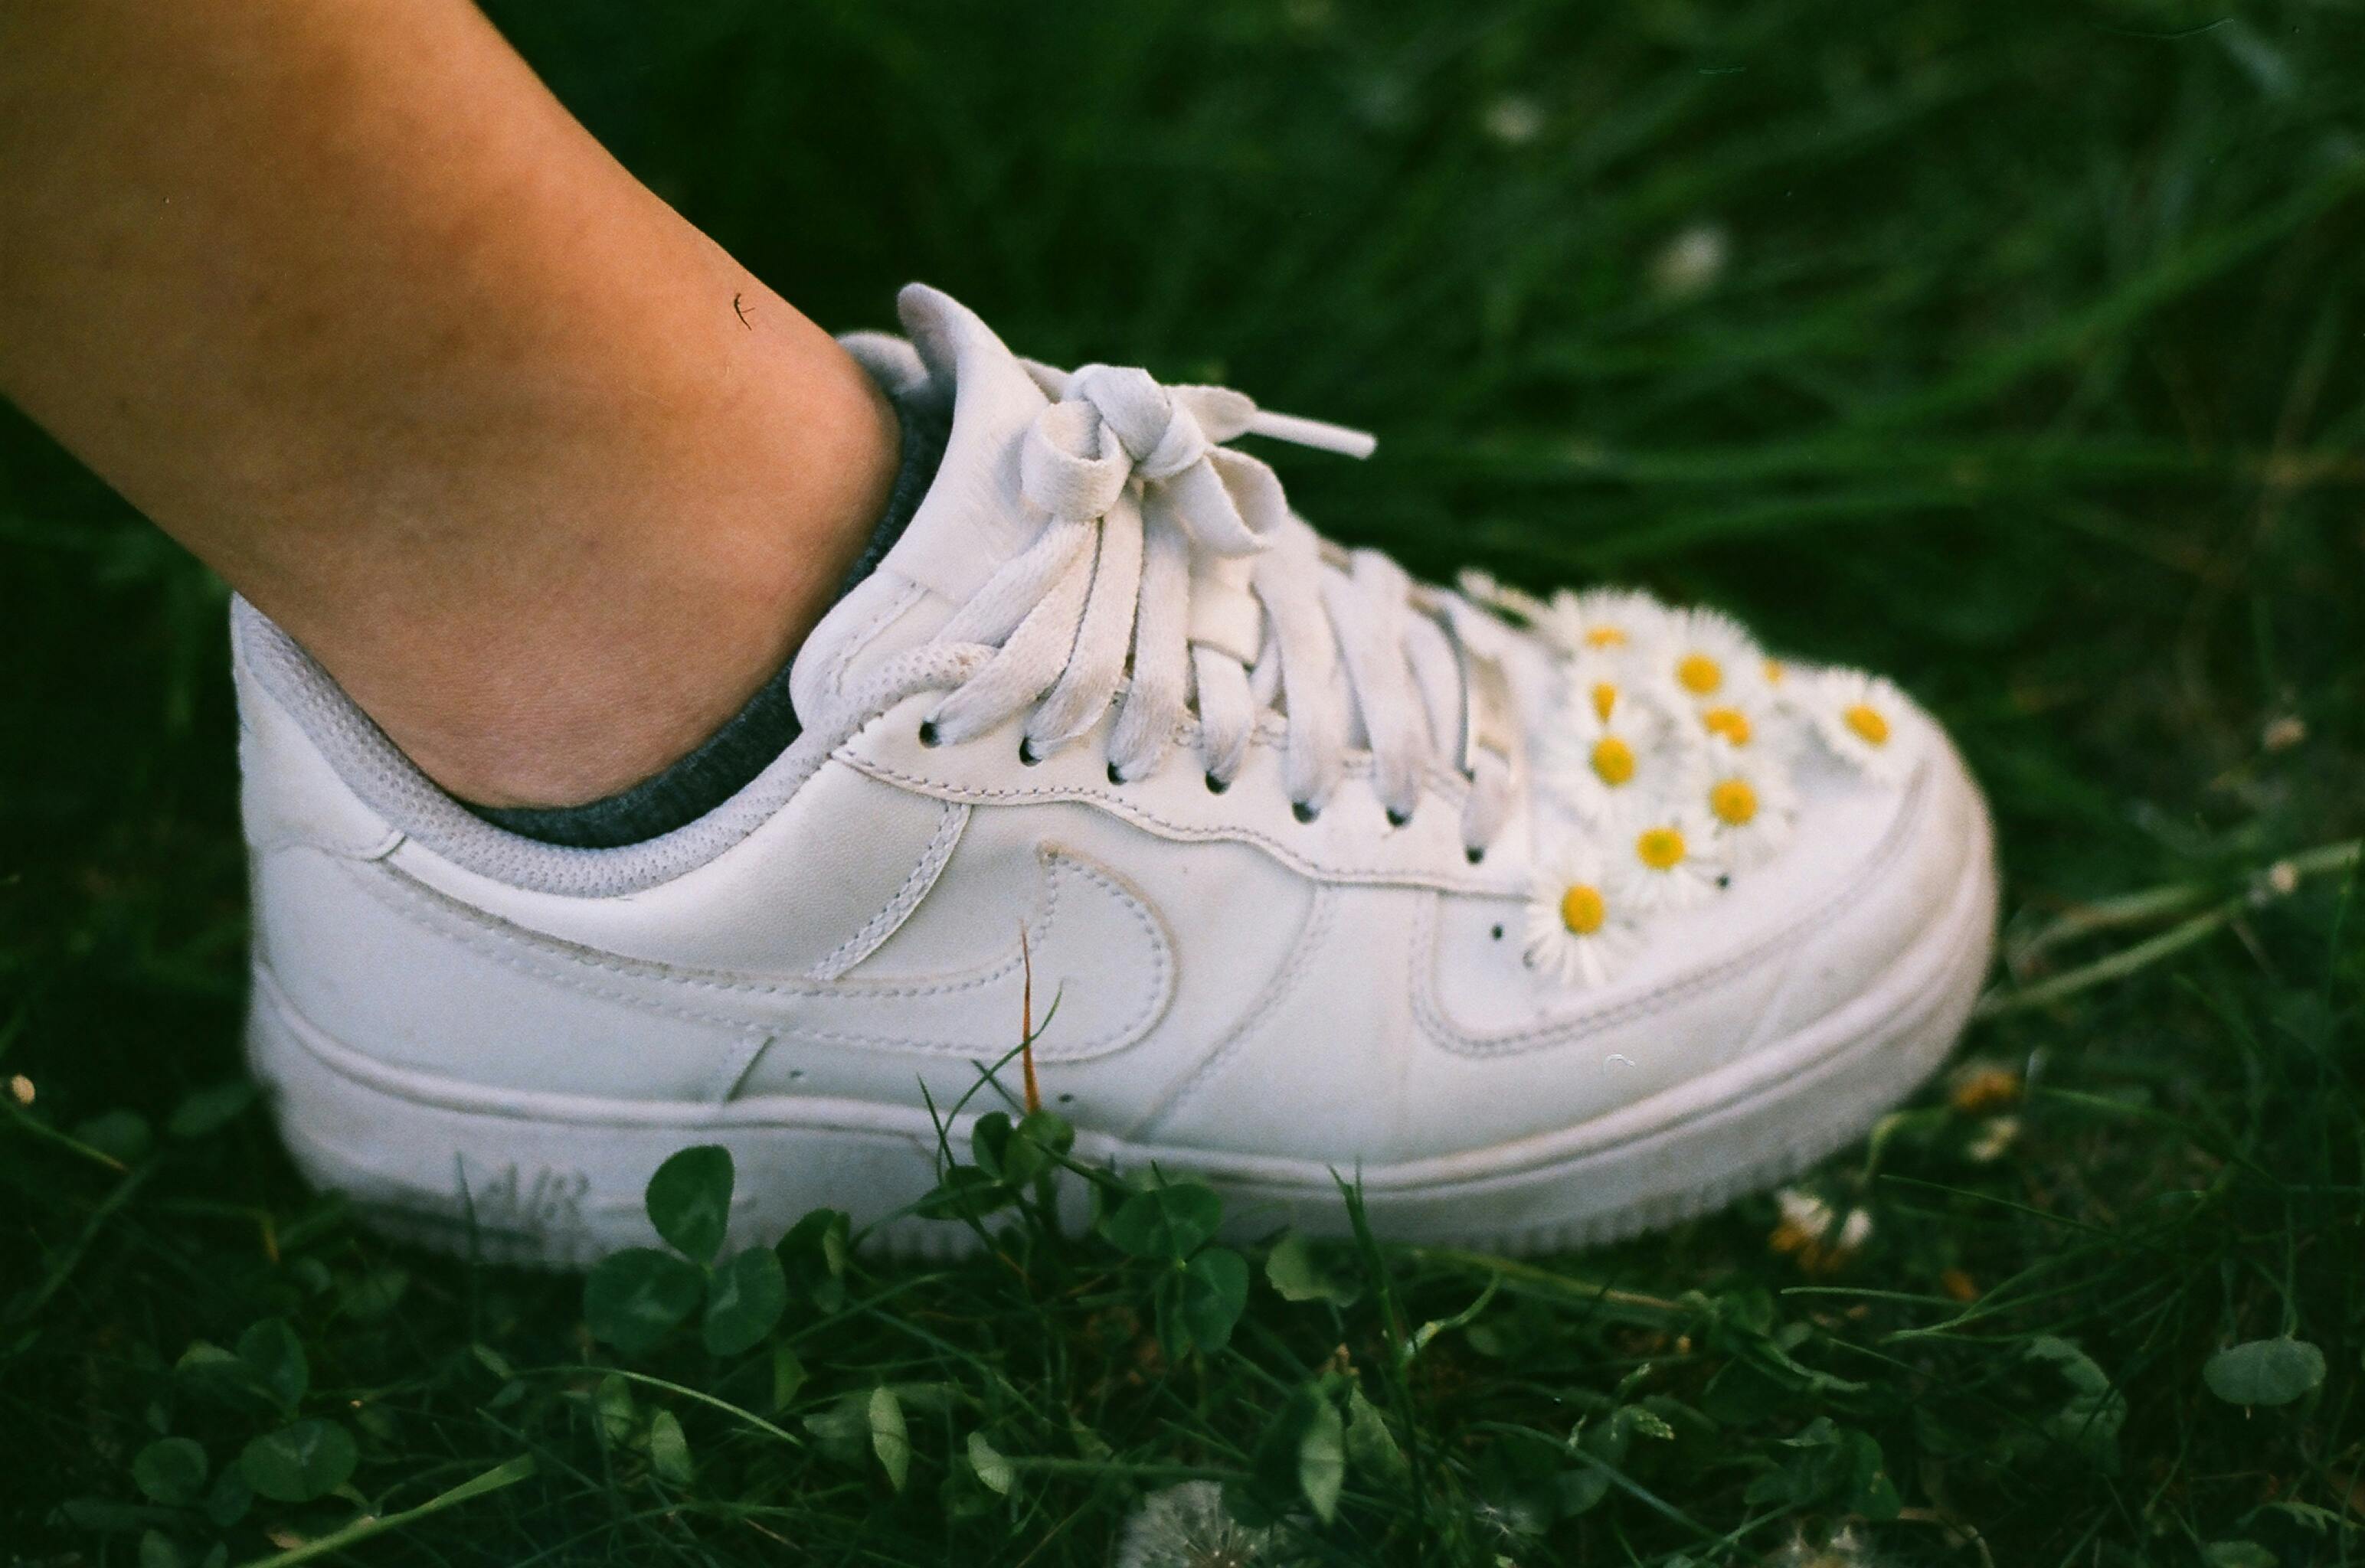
(346, 301)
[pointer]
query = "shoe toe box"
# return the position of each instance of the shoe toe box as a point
(1883, 891)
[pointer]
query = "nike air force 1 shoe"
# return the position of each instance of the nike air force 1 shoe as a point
(1549, 921)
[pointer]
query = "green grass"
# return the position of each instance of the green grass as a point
(2029, 366)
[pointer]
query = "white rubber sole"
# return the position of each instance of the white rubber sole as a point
(557, 1181)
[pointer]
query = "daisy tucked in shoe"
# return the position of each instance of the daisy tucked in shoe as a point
(1661, 855)
(1710, 657)
(1751, 800)
(1743, 718)
(1575, 931)
(1614, 744)
(1603, 621)
(1597, 681)
(1862, 718)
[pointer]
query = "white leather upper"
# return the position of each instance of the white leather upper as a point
(1226, 975)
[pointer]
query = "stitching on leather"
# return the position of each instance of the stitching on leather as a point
(922, 877)
(554, 959)
(493, 940)
(370, 768)
(1269, 735)
(1303, 950)
(1445, 1033)
(895, 605)
(575, 957)
(1161, 949)
(1118, 806)
(377, 848)
(732, 1070)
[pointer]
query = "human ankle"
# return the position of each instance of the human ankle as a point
(654, 630)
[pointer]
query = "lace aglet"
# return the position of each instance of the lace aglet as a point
(1319, 434)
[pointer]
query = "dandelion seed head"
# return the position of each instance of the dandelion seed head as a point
(1186, 1527)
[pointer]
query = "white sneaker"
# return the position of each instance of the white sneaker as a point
(1551, 922)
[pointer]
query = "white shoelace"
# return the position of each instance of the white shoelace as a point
(1165, 545)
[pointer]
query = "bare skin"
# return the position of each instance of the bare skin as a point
(343, 299)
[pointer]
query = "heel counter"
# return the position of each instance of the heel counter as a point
(289, 794)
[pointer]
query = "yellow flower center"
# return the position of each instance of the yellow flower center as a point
(1605, 697)
(1774, 672)
(1699, 674)
(1733, 801)
(1613, 760)
(1582, 911)
(1729, 722)
(1605, 637)
(1660, 848)
(1869, 726)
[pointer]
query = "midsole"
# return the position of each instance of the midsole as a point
(1941, 969)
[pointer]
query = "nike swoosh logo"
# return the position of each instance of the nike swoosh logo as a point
(1093, 940)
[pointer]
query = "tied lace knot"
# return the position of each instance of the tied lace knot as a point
(1170, 578)
(1113, 422)
(1165, 428)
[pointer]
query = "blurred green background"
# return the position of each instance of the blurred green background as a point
(2016, 349)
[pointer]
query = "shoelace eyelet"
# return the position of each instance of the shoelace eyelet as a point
(1303, 812)
(1026, 757)
(1218, 786)
(1399, 818)
(928, 732)
(1114, 776)
(1475, 855)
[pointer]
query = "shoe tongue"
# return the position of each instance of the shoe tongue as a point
(970, 521)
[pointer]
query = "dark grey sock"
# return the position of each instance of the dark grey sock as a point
(746, 744)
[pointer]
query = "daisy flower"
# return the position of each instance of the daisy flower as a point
(1750, 800)
(1743, 718)
(1862, 718)
(1614, 743)
(1597, 681)
(1660, 855)
(1977, 1088)
(1994, 1140)
(1602, 620)
(1575, 932)
(1823, 1240)
(1710, 657)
